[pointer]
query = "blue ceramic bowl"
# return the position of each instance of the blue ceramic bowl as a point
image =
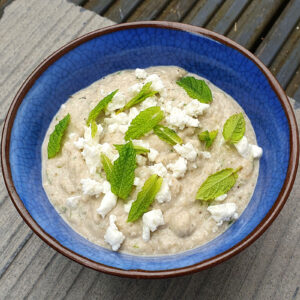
(128, 46)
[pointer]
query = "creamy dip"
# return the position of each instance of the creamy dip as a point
(75, 182)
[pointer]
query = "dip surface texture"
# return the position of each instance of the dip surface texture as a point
(75, 181)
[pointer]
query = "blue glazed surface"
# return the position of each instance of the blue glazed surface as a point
(144, 47)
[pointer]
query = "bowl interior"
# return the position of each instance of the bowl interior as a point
(143, 47)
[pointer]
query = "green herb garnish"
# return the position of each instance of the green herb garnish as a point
(144, 122)
(144, 93)
(145, 198)
(107, 166)
(138, 149)
(208, 137)
(217, 184)
(167, 135)
(99, 107)
(55, 139)
(122, 175)
(196, 89)
(234, 128)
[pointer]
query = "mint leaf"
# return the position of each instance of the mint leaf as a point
(144, 93)
(99, 107)
(107, 166)
(94, 128)
(138, 149)
(217, 184)
(144, 122)
(208, 137)
(56, 136)
(122, 175)
(234, 128)
(167, 135)
(196, 89)
(145, 198)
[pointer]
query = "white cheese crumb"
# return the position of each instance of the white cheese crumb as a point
(157, 84)
(141, 160)
(117, 102)
(135, 89)
(256, 151)
(195, 108)
(159, 169)
(180, 119)
(221, 198)
(72, 135)
(108, 202)
(186, 150)
(133, 112)
(140, 73)
(151, 220)
(72, 202)
(164, 194)
(109, 151)
(152, 155)
(248, 150)
(91, 187)
(137, 181)
(205, 154)
(223, 212)
(113, 236)
(179, 167)
(149, 102)
(127, 206)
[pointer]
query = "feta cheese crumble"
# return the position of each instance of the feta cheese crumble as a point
(164, 194)
(91, 187)
(221, 198)
(159, 169)
(248, 150)
(117, 102)
(113, 236)
(223, 212)
(180, 119)
(157, 84)
(127, 206)
(186, 150)
(195, 108)
(108, 202)
(179, 167)
(140, 73)
(152, 155)
(151, 220)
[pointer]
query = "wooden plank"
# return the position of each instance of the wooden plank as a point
(287, 61)
(148, 10)
(202, 12)
(293, 89)
(277, 36)
(226, 15)
(121, 10)
(97, 6)
(253, 20)
(176, 10)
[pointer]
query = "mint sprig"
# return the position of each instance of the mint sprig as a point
(234, 128)
(144, 122)
(217, 184)
(145, 197)
(94, 128)
(196, 89)
(99, 107)
(55, 139)
(122, 175)
(144, 93)
(107, 166)
(208, 137)
(138, 149)
(167, 135)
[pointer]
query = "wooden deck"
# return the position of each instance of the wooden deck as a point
(32, 29)
(268, 28)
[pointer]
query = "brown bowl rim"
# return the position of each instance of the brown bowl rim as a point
(248, 240)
